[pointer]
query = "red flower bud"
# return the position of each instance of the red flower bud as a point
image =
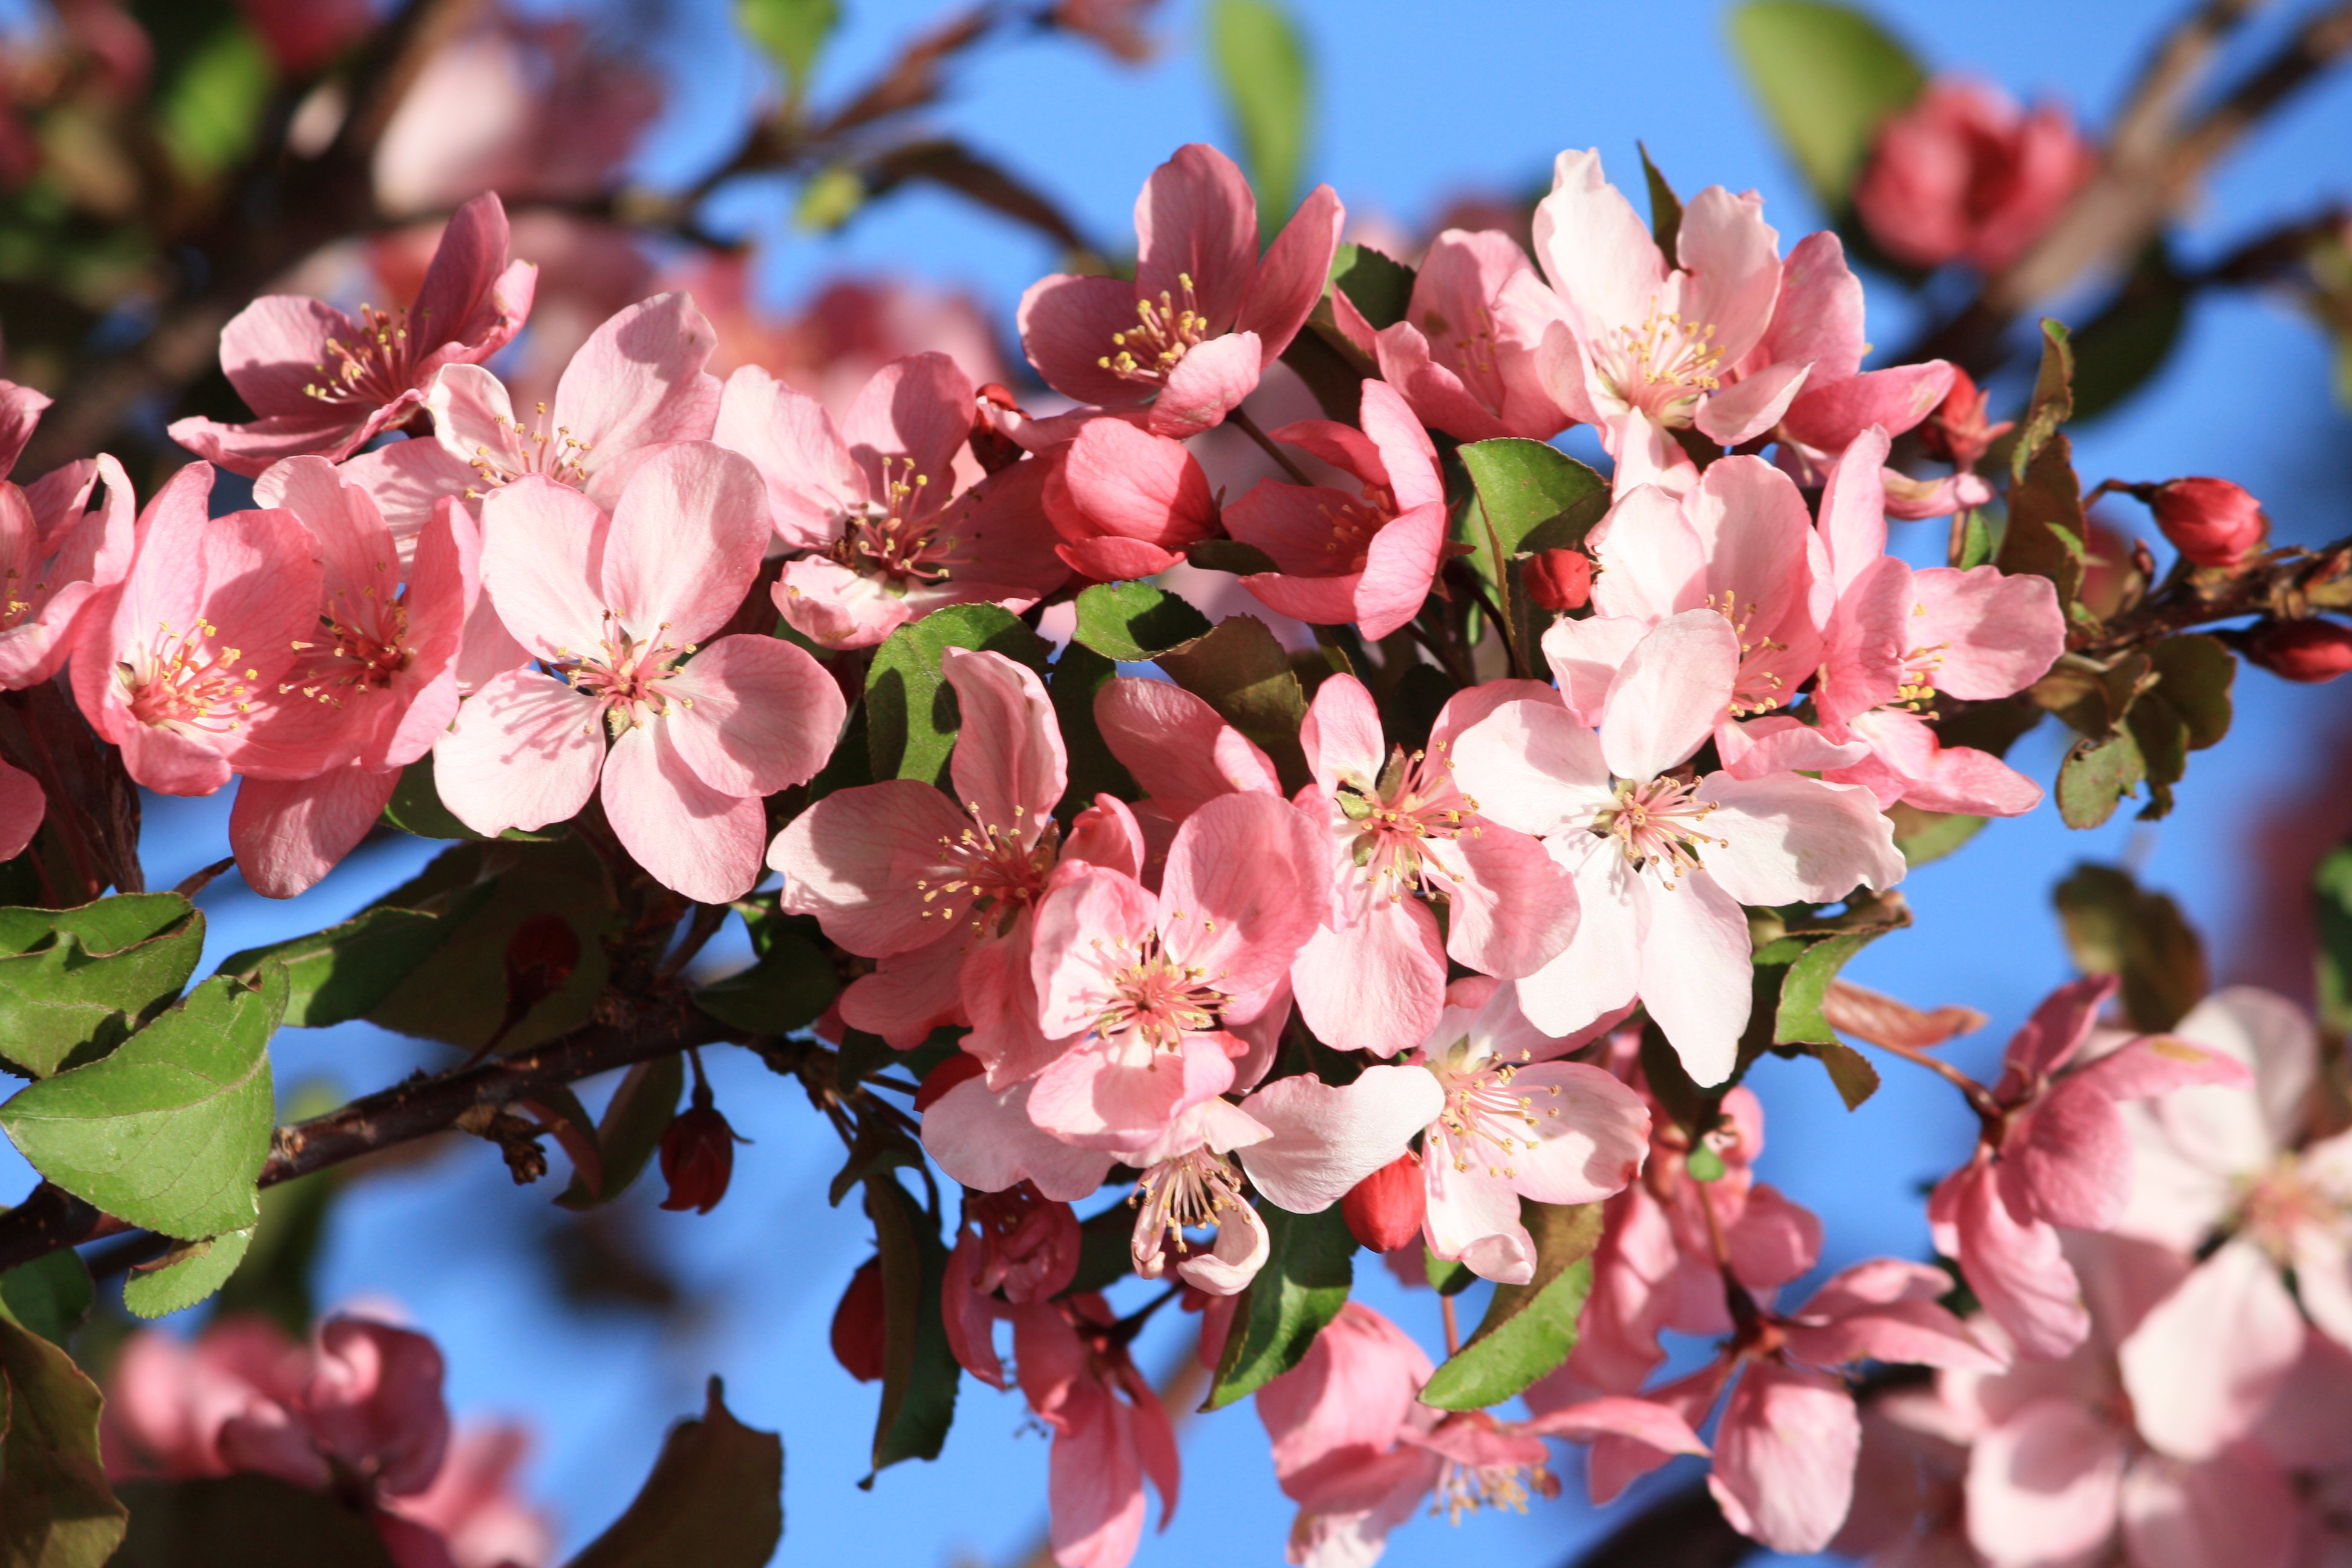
(858, 1339)
(1558, 579)
(698, 1156)
(1383, 1211)
(993, 448)
(2212, 522)
(540, 956)
(2301, 650)
(1956, 432)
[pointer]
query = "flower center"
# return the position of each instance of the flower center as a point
(1156, 1000)
(1187, 1193)
(1487, 1123)
(989, 868)
(1663, 366)
(1352, 525)
(1466, 1489)
(1757, 688)
(20, 599)
(557, 454)
(625, 675)
(1415, 800)
(1656, 824)
(1166, 329)
(2285, 1199)
(372, 368)
(896, 535)
(361, 649)
(180, 680)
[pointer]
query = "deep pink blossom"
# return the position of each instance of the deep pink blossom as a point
(473, 1508)
(1466, 354)
(1364, 553)
(1125, 502)
(1013, 1248)
(1205, 313)
(612, 607)
(1966, 174)
(873, 505)
(324, 383)
(1110, 1431)
(174, 663)
(60, 553)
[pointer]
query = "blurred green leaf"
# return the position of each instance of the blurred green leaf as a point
(715, 1499)
(2120, 348)
(1133, 622)
(2331, 890)
(274, 1279)
(2046, 528)
(2096, 776)
(1240, 670)
(1261, 72)
(919, 1374)
(2113, 926)
(55, 1508)
(244, 1521)
(1829, 77)
(792, 33)
(829, 198)
(76, 982)
(184, 1276)
(1447, 1278)
(786, 988)
(1308, 1271)
(1925, 836)
(210, 115)
(1378, 286)
(1529, 1330)
(910, 709)
(50, 1295)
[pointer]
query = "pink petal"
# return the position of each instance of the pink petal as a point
(638, 382)
(1595, 250)
(1437, 395)
(1241, 891)
(1197, 220)
(803, 460)
(1342, 736)
(471, 300)
(2044, 1484)
(2001, 633)
(1732, 259)
(271, 351)
(1652, 1424)
(1784, 1456)
(1697, 979)
(1117, 559)
(917, 409)
(2204, 1364)
(543, 545)
(1207, 384)
(1818, 318)
(1532, 768)
(1514, 911)
(1291, 276)
(1139, 486)
(1179, 750)
(1376, 986)
(1669, 693)
(20, 412)
(860, 859)
(1088, 1098)
(1853, 509)
(1009, 759)
(525, 752)
(1781, 743)
(288, 835)
(2017, 1270)
(910, 993)
(1324, 1139)
(1786, 838)
(1475, 1218)
(2069, 1158)
(22, 807)
(2237, 1510)
(1590, 1137)
(1067, 324)
(1400, 564)
(686, 543)
(1752, 404)
(1585, 657)
(758, 715)
(1599, 971)
(1830, 414)
(984, 1138)
(1652, 560)
(695, 840)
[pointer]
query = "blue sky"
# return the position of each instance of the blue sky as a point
(1416, 103)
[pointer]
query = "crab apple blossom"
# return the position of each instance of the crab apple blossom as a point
(58, 551)
(1189, 1183)
(1205, 313)
(612, 608)
(1110, 1431)
(1465, 356)
(324, 383)
(174, 663)
(1366, 557)
(1012, 1247)
(1125, 502)
(1966, 174)
(1663, 861)
(875, 503)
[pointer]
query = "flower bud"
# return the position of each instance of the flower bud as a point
(1966, 174)
(1383, 1211)
(698, 1156)
(857, 1333)
(993, 450)
(2212, 522)
(2301, 650)
(1958, 432)
(1558, 579)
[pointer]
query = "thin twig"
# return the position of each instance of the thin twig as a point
(1248, 426)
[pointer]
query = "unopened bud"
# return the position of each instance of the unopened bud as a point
(1956, 432)
(2301, 650)
(698, 1156)
(991, 448)
(540, 956)
(1383, 1211)
(1558, 579)
(857, 1333)
(2212, 522)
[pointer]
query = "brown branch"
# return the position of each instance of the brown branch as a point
(2286, 584)
(51, 1219)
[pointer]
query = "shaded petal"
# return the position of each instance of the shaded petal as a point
(1376, 986)
(1206, 385)
(1196, 223)
(2044, 1484)
(759, 715)
(1785, 838)
(860, 860)
(541, 549)
(525, 752)
(1667, 695)
(1324, 1139)
(289, 835)
(1696, 978)
(984, 1138)
(2203, 1364)
(803, 460)
(1176, 746)
(1067, 324)
(637, 382)
(1291, 276)
(1784, 1456)
(918, 408)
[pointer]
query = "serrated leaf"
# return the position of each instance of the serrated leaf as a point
(55, 1508)
(170, 1132)
(2195, 673)
(2046, 528)
(1850, 1072)
(2096, 775)
(1308, 1271)
(76, 982)
(2113, 926)
(346, 971)
(1829, 77)
(1378, 286)
(910, 709)
(1529, 1328)
(789, 32)
(244, 1521)
(1135, 622)
(1240, 670)
(1798, 1019)
(629, 1131)
(1531, 497)
(184, 1276)
(919, 1374)
(1262, 74)
(715, 1499)
(50, 1295)
(1665, 207)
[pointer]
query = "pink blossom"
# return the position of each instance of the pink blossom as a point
(1966, 174)
(370, 689)
(168, 1398)
(1110, 1431)
(611, 607)
(1190, 1183)
(1205, 313)
(1899, 637)
(1365, 554)
(1142, 993)
(324, 384)
(1323, 1140)
(472, 1507)
(888, 537)
(173, 662)
(1465, 356)
(1649, 346)
(1663, 862)
(1179, 745)
(1401, 835)
(1012, 1244)
(60, 553)
(1125, 503)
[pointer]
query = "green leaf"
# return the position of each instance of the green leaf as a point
(76, 982)
(2096, 775)
(1231, 556)
(2194, 673)
(1925, 836)
(346, 971)
(209, 115)
(1447, 1278)
(2046, 528)
(170, 1132)
(2331, 897)
(274, 1280)
(790, 985)
(789, 32)
(829, 198)
(1240, 670)
(629, 1130)
(715, 1499)
(1531, 497)
(1665, 207)
(1076, 676)
(910, 709)
(1134, 622)
(1309, 1269)
(2113, 926)
(1261, 73)
(244, 1521)
(2053, 403)
(55, 1508)
(919, 1374)
(185, 1275)
(2129, 342)
(1829, 77)
(50, 1295)
(1378, 286)
(1850, 1071)
(1806, 986)
(1979, 541)
(1528, 1328)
